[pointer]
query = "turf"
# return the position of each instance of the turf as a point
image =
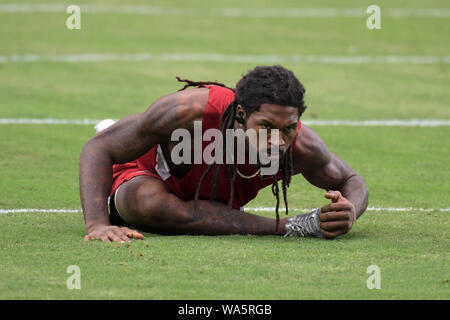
(403, 167)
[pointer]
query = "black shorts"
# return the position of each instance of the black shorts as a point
(114, 217)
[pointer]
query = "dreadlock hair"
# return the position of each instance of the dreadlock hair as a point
(263, 84)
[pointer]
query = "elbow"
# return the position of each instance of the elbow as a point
(87, 149)
(366, 192)
(365, 197)
(362, 191)
(93, 151)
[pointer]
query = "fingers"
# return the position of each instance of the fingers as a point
(332, 234)
(118, 233)
(342, 206)
(88, 237)
(104, 238)
(132, 233)
(334, 196)
(336, 215)
(114, 234)
(336, 225)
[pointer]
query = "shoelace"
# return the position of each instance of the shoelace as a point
(304, 225)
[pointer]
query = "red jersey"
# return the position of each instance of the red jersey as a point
(153, 164)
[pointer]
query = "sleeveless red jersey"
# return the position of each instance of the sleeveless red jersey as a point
(151, 162)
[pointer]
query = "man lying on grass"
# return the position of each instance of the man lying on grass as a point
(158, 184)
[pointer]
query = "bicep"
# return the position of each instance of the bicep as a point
(133, 136)
(330, 176)
(317, 163)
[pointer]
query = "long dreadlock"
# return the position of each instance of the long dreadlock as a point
(190, 83)
(261, 85)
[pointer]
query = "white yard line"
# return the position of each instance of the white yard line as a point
(26, 210)
(49, 121)
(380, 123)
(228, 12)
(254, 209)
(265, 209)
(217, 57)
(361, 123)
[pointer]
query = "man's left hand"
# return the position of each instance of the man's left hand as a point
(338, 217)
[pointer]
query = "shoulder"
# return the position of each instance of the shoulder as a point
(220, 97)
(176, 110)
(191, 105)
(309, 151)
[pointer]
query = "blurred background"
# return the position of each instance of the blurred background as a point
(56, 83)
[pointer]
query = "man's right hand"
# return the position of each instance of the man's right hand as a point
(108, 233)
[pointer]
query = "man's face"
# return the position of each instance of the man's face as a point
(273, 116)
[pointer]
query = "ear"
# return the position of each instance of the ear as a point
(240, 114)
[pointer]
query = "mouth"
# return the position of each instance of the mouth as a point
(266, 157)
(273, 155)
(277, 153)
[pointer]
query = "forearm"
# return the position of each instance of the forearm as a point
(220, 219)
(95, 184)
(213, 218)
(355, 190)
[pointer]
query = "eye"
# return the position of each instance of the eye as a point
(291, 128)
(265, 126)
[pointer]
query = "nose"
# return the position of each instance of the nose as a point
(281, 143)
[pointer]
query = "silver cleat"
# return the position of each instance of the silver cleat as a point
(304, 225)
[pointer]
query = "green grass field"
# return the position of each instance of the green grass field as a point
(404, 167)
